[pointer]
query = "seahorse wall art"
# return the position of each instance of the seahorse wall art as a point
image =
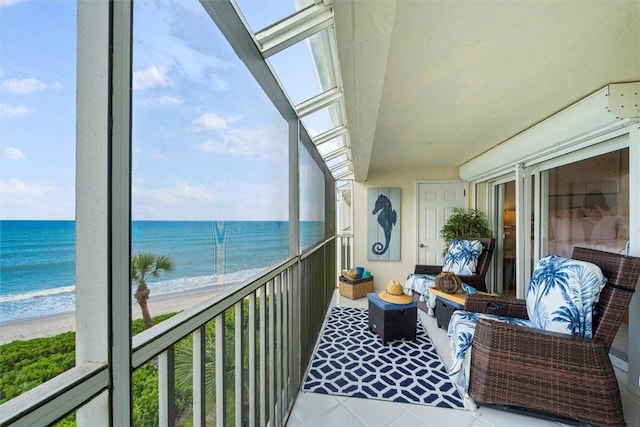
(384, 204)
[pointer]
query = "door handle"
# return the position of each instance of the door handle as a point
(422, 245)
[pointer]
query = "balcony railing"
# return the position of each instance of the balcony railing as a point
(248, 376)
(345, 251)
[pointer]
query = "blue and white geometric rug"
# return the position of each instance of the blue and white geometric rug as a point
(351, 361)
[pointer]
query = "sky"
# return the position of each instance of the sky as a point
(207, 143)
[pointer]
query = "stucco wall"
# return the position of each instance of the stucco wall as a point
(406, 180)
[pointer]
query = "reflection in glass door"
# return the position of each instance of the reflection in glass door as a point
(509, 239)
(588, 206)
(505, 254)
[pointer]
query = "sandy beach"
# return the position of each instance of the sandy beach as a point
(57, 324)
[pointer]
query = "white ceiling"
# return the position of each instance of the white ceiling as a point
(435, 83)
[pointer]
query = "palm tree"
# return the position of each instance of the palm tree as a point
(143, 266)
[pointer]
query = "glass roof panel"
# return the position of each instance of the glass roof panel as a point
(333, 162)
(302, 74)
(322, 120)
(305, 69)
(331, 145)
(342, 171)
(261, 14)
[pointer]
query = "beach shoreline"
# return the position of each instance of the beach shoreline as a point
(56, 324)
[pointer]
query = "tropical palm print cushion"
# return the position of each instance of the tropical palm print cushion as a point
(462, 257)
(561, 296)
(419, 283)
(461, 329)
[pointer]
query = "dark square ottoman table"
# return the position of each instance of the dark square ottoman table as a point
(392, 321)
(446, 304)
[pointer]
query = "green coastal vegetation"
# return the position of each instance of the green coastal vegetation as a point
(27, 364)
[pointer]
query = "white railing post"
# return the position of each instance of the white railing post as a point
(199, 377)
(252, 359)
(263, 356)
(238, 363)
(220, 371)
(166, 388)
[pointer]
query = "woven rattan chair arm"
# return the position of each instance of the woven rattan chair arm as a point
(427, 269)
(480, 303)
(476, 281)
(544, 350)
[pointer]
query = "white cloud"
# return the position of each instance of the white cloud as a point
(151, 77)
(7, 3)
(23, 86)
(209, 121)
(162, 100)
(253, 201)
(216, 83)
(225, 199)
(17, 187)
(164, 41)
(240, 142)
(169, 100)
(13, 153)
(157, 155)
(8, 111)
(179, 193)
(180, 201)
(23, 200)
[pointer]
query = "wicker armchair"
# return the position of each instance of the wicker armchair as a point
(478, 279)
(557, 374)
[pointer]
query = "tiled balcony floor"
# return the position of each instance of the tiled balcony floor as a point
(313, 409)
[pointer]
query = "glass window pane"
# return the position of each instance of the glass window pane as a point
(37, 188)
(311, 200)
(210, 164)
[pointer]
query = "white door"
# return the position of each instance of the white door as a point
(435, 203)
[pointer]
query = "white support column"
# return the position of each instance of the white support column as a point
(92, 182)
(92, 196)
(120, 213)
(294, 189)
(634, 235)
(523, 212)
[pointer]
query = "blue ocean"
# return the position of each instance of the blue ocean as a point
(37, 258)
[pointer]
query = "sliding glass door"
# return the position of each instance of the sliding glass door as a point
(580, 199)
(587, 205)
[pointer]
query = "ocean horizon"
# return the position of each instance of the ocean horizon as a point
(37, 258)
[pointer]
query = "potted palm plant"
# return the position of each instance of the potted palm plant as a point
(465, 223)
